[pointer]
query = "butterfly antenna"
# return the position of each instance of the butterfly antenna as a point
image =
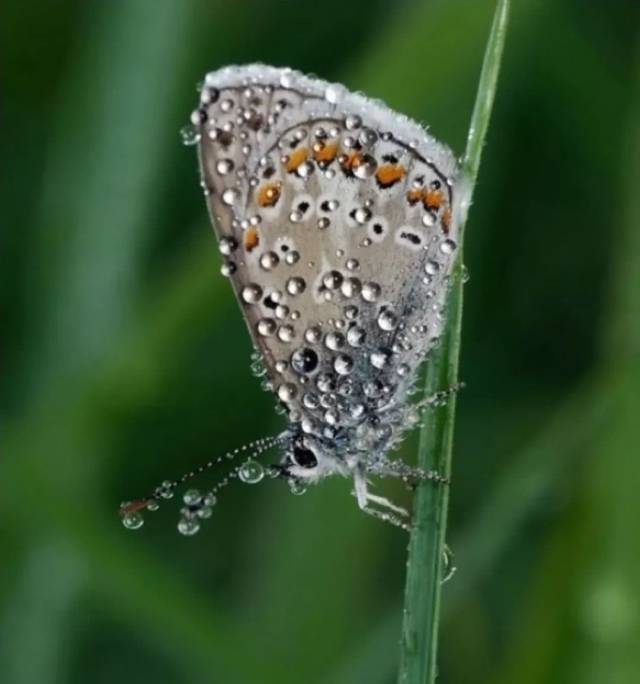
(198, 505)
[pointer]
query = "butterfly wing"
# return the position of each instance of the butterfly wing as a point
(337, 220)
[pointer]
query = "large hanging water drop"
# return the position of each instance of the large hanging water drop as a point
(251, 472)
(188, 526)
(133, 520)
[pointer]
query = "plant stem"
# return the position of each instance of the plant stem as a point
(419, 641)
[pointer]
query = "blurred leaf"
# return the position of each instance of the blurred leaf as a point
(36, 641)
(101, 175)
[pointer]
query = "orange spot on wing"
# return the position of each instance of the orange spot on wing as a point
(296, 158)
(268, 194)
(414, 195)
(390, 174)
(432, 199)
(251, 238)
(325, 152)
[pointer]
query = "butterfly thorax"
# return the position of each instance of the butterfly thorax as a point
(362, 431)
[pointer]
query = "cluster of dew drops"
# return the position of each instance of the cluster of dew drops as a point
(198, 506)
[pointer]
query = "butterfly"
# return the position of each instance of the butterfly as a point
(336, 219)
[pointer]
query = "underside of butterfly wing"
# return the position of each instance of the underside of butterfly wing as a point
(337, 221)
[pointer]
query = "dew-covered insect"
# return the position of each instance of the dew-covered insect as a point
(337, 219)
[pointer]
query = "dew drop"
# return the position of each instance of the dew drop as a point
(352, 121)
(367, 136)
(269, 260)
(310, 401)
(313, 335)
(402, 370)
(292, 257)
(224, 166)
(331, 416)
(304, 360)
(252, 293)
(351, 287)
(431, 267)
(325, 382)
(188, 527)
(343, 364)
(328, 400)
(282, 311)
(266, 327)
(333, 93)
(228, 269)
(305, 169)
(286, 79)
(133, 520)
(362, 215)
(166, 490)
(210, 499)
(332, 280)
(192, 497)
(334, 341)
(285, 333)
(251, 472)
(356, 336)
(387, 320)
(287, 392)
(227, 245)
(380, 358)
(352, 264)
(295, 286)
(357, 410)
(350, 312)
(370, 292)
(447, 246)
(230, 196)
(366, 168)
(189, 135)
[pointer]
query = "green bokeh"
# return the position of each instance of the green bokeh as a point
(126, 360)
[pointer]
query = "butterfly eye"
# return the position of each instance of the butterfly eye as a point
(304, 457)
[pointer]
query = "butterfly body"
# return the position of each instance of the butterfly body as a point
(337, 220)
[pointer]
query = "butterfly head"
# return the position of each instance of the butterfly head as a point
(309, 458)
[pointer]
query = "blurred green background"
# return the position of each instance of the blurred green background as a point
(126, 360)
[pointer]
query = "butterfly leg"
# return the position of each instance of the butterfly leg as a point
(407, 473)
(387, 517)
(385, 503)
(439, 398)
(365, 498)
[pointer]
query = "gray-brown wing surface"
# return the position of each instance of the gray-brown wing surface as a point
(337, 220)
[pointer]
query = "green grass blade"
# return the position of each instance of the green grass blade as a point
(418, 648)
